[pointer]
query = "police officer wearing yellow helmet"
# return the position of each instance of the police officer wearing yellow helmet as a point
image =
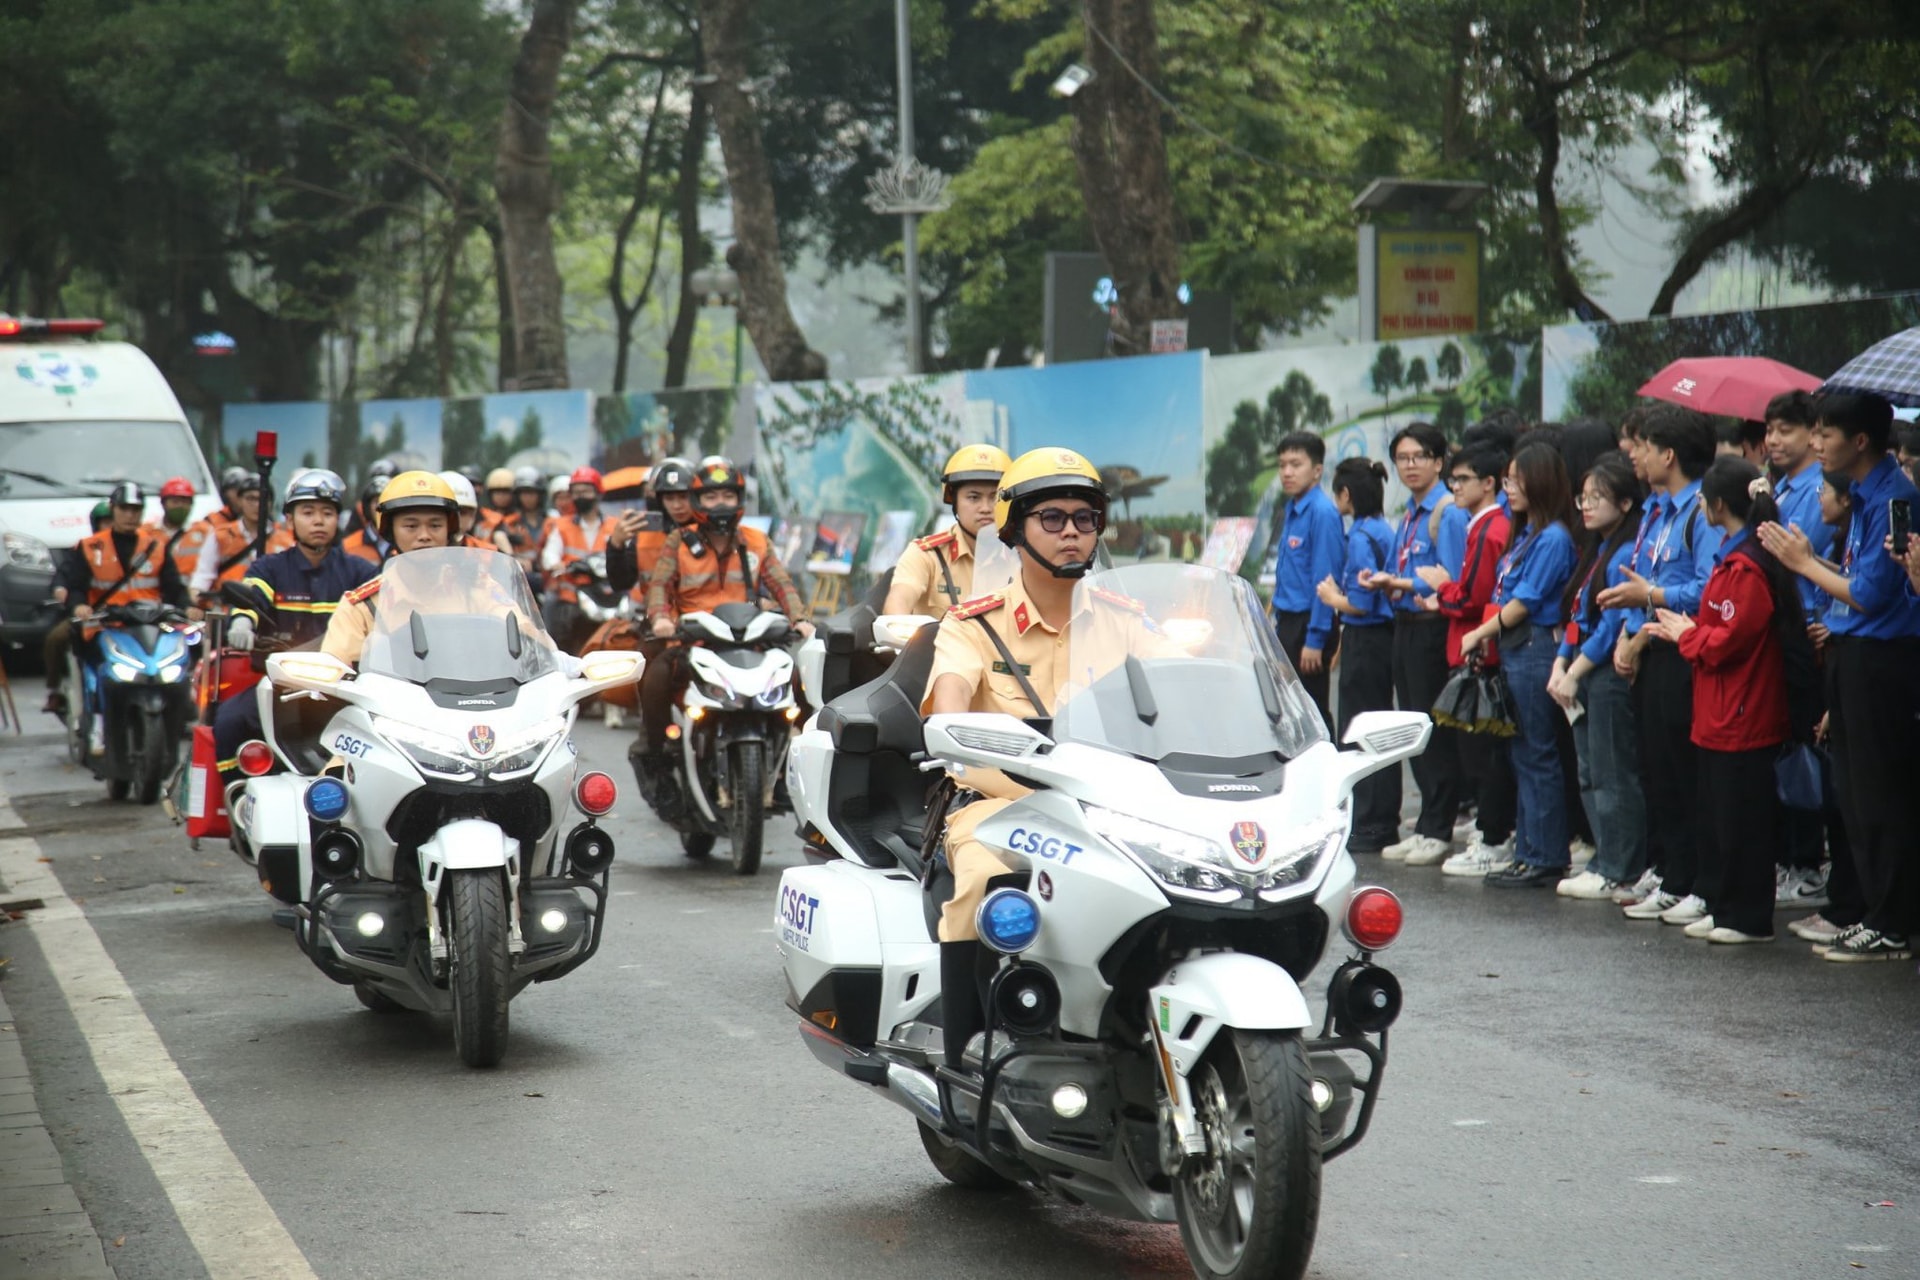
(1008, 652)
(936, 572)
(416, 511)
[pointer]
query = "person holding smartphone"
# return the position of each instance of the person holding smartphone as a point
(1873, 675)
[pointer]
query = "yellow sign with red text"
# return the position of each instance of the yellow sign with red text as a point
(1428, 282)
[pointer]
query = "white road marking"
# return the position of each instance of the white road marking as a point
(1659, 1180)
(1468, 1124)
(228, 1220)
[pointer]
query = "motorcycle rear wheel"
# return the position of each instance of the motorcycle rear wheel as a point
(749, 813)
(1250, 1206)
(480, 975)
(696, 844)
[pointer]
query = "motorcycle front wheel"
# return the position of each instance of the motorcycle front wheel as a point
(1250, 1205)
(481, 971)
(153, 754)
(749, 816)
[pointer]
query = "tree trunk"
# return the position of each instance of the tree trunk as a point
(1122, 160)
(627, 310)
(506, 345)
(686, 201)
(755, 255)
(523, 176)
(1542, 120)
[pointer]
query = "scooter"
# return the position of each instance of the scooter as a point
(729, 732)
(1179, 867)
(139, 688)
(421, 830)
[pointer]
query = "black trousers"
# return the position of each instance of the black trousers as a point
(1292, 630)
(665, 676)
(1742, 837)
(1488, 775)
(1366, 684)
(1875, 696)
(1419, 673)
(1668, 766)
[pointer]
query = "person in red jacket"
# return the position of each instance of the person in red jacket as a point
(1474, 478)
(1740, 705)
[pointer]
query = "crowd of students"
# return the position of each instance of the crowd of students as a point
(1674, 607)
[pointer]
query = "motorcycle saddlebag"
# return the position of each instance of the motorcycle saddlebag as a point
(206, 799)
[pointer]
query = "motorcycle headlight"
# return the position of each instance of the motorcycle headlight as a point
(126, 671)
(525, 750)
(26, 553)
(1184, 862)
(430, 752)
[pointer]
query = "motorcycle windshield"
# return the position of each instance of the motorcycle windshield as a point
(460, 614)
(1176, 664)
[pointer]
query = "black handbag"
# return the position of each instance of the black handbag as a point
(1476, 699)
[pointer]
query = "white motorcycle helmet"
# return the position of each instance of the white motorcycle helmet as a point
(464, 496)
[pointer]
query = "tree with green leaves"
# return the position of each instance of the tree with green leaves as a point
(1389, 372)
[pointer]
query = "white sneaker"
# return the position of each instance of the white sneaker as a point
(1687, 910)
(1700, 928)
(1816, 928)
(1645, 887)
(1399, 849)
(1799, 890)
(97, 739)
(1735, 936)
(1428, 851)
(1467, 830)
(1651, 906)
(1588, 886)
(1582, 852)
(615, 719)
(1479, 859)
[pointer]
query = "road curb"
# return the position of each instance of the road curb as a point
(44, 1230)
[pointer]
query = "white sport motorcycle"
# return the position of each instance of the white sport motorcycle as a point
(429, 862)
(1180, 866)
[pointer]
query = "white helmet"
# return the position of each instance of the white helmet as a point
(463, 495)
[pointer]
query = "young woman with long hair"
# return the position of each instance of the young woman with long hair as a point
(1366, 645)
(1527, 608)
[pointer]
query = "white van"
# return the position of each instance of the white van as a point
(76, 417)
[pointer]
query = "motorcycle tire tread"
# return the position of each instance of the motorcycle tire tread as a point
(749, 816)
(482, 972)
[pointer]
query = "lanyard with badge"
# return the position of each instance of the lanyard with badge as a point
(1408, 527)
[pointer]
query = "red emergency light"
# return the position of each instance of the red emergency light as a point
(26, 327)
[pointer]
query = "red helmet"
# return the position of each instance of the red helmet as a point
(178, 487)
(587, 475)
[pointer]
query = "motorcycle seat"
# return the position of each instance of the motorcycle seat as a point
(884, 713)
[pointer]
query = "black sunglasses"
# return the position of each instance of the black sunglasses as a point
(1054, 520)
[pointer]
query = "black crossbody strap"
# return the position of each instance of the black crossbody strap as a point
(126, 575)
(953, 592)
(1026, 686)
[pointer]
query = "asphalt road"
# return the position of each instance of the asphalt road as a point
(1568, 1095)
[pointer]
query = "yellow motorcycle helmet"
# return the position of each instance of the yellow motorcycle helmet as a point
(416, 491)
(972, 464)
(1046, 473)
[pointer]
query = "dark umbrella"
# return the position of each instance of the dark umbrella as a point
(1890, 368)
(1735, 386)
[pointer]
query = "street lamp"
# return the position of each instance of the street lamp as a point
(720, 287)
(908, 188)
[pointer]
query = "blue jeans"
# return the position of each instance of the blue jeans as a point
(1608, 740)
(1540, 835)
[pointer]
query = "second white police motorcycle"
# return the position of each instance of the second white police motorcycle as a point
(1180, 870)
(421, 830)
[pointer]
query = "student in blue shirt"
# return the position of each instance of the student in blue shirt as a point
(1873, 675)
(1676, 549)
(1366, 642)
(1311, 547)
(1527, 607)
(1432, 532)
(1606, 736)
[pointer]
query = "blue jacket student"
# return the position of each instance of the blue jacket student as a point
(1368, 548)
(1798, 497)
(1312, 548)
(1884, 607)
(1596, 644)
(1535, 572)
(1676, 552)
(1415, 545)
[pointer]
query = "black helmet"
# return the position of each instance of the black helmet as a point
(127, 494)
(370, 494)
(232, 477)
(249, 482)
(671, 475)
(384, 469)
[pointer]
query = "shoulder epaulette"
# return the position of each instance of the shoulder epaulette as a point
(362, 593)
(1115, 598)
(975, 607)
(934, 541)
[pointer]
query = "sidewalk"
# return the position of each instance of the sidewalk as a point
(44, 1233)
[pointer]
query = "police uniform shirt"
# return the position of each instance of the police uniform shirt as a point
(920, 567)
(295, 598)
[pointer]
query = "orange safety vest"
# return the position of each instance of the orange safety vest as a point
(184, 546)
(527, 540)
(360, 543)
(576, 546)
(701, 586)
(232, 537)
(103, 563)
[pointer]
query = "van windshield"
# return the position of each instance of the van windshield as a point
(86, 459)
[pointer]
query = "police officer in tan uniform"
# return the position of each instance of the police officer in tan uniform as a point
(1051, 508)
(417, 511)
(936, 572)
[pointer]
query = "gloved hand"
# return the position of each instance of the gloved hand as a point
(240, 633)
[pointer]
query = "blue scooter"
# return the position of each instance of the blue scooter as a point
(137, 684)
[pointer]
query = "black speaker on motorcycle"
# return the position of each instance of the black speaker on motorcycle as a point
(1026, 999)
(589, 850)
(336, 855)
(1365, 999)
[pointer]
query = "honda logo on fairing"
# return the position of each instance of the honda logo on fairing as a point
(476, 702)
(1232, 786)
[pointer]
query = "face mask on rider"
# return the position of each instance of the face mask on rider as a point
(584, 507)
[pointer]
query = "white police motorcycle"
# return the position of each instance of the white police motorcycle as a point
(1180, 868)
(422, 831)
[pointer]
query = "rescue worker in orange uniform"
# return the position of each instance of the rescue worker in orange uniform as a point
(498, 490)
(527, 526)
(226, 555)
(364, 542)
(715, 561)
(570, 540)
(184, 540)
(472, 531)
(936, 573)
(669, 507)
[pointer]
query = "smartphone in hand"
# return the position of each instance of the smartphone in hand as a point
(1900, 524)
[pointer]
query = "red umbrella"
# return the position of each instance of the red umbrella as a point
(1734, 386)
